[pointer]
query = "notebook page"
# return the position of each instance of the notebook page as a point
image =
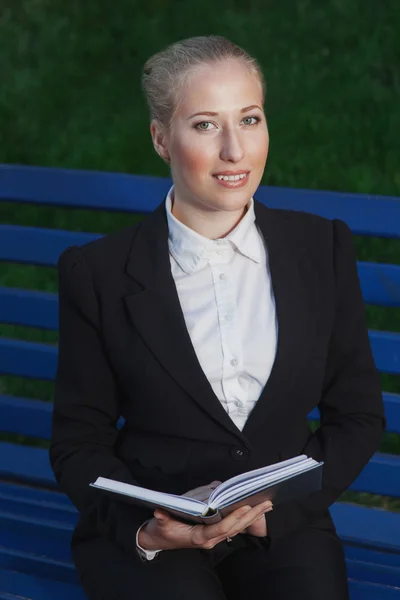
(253, 492)
(244, 477)
(169, 500)
(259, 482)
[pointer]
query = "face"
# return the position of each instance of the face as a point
(234, 138)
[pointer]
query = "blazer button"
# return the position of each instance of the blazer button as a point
(238, 454)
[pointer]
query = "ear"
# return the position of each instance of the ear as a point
(160, 140)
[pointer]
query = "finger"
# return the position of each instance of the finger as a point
(257, 519)
(250, 517)
(222, 528)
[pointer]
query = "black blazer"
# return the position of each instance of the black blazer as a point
(124, 350)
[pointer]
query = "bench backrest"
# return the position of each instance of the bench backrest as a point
(366, 216)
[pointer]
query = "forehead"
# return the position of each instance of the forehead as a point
(221, 86)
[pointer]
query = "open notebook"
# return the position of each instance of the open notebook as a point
(280, 482)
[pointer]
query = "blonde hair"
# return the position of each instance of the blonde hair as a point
(165, 73)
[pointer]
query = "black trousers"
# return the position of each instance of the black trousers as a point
(308, 565)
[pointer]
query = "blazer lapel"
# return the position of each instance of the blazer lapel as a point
(294, 277)
(156, 313)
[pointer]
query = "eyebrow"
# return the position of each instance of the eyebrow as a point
(214, 114)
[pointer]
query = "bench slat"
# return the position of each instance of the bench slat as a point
(28, 359)
(142, 194)
(382, 533)
(372, 565)
(32, 359)
(25, 416)
(367, 572)
(376, 557)
(40, 566)
(33, 417)
(37, 496)
(21, 585)
(380, 476)
(359, 590)
(24, 463)
(380, 283)
(30, 308)
(386, 350)
(36, 536)
(28, 417)
(37, 245)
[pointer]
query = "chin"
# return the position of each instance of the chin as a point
(232, 202)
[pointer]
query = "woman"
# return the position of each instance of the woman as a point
(213, 327)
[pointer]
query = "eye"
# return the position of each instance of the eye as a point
(203, 123)
(198, 125)
(257, 120)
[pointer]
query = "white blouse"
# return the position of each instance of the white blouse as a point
(224, 287)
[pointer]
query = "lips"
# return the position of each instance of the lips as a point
(233, 183)
(231, 173)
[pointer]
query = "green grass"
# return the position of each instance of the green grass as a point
(70, 97)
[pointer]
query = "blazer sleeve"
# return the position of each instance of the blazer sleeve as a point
(351, 406)
(87, 408)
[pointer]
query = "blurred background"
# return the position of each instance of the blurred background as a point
(70, 97)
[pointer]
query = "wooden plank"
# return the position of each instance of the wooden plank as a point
(28, 359)
(26, 464)
(49, 568)
(37, 504)
(30, 308)
(26, 416)
(380, 283)
(51, 540)
(22, 585)
(40, 566)
(33, 417)
(367, 527)
(379, 556)
(36, 536)
(360, 590)
(36, 495)
(37, 245)
(32, 359)
(372, 573)
(386, 350)
(36, 588)
(380, 476)
(365, 214)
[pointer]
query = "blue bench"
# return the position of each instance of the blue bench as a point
(36, 521)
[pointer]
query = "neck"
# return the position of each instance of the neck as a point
(211, 224)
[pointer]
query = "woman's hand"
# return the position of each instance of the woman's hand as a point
(166, 533)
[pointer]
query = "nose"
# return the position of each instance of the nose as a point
(232, 147)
